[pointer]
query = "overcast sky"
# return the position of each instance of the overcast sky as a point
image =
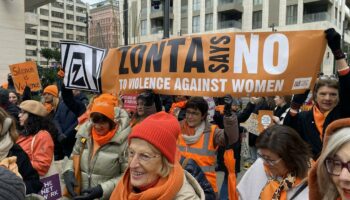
(91, 1)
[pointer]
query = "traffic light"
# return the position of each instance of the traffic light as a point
(155, 4)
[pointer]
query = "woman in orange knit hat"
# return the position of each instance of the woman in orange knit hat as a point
(330, 176)
(154, 172)
(98, 158)
(51, 99)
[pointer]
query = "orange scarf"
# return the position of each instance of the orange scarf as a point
(220, 109)
(166, 188)
(103, 139)
(185, 129)
(277, 190)
(319, 118)
(180, 104)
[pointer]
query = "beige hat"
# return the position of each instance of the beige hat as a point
(34, 107)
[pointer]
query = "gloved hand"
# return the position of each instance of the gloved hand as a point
(298, 100)
(333, 39)
(148, 96)
(228, 103)
(90, 194)
(27, 95)
(71, 182)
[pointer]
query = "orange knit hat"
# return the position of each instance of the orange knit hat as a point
(105, 104)
(51, 89)
(161, 130)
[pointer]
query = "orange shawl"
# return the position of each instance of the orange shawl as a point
(166, 188)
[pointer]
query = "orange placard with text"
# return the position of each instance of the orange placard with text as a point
(241, 64)
(25, 74)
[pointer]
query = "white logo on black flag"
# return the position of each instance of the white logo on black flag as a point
(82, 66)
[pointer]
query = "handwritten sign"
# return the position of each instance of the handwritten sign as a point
(25, 74)
(52, 187)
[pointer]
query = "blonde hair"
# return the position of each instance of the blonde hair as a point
(12, 130)
(324, 180)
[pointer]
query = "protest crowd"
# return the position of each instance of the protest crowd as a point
(83, 146)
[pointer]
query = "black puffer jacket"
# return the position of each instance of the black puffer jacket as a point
(192, 167)
(25, 168)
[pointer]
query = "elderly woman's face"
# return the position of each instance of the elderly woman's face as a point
(273, 161)
(144, 163)
(342, 182)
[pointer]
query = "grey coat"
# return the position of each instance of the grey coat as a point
(109, 161)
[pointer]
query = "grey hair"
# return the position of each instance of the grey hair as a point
(324, 180)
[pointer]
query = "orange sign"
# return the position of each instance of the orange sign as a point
(25, 74)
(264, 119)
(241, 64)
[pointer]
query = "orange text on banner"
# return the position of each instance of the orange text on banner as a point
(241, 64)
(25, 74)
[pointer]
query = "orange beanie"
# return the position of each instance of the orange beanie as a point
(51, 89)
(105, 104)
(161, 130)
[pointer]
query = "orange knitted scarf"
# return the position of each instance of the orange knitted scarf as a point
(165, 189)
(103, 139)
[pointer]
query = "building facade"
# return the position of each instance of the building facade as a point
(104, 24)
(59, 20)
(13, 15)
(189, 17)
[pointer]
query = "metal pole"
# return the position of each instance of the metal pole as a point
(166, 10)
(87, 27)
(125, 12)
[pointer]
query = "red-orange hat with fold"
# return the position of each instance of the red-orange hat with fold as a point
(161, 130)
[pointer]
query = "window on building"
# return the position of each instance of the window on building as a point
(69, 36)
(70, 7)
(44, 12)
(56, 34)
(30, 52)
(196, 5)
(184, 26)
(184, 4)
(69, 17)
(55, 45)
(209, 4)
(31, 42)
(80, 9)
(80, 19)
(257, 2)
(336, 13)
(208, 22)
(57, 25)
(81, 38)
(70, 26)
(80, 28)
(257, 19)
(57, 14)
(44, 33)
(30, 31)
(44, 22)
(57, 5)
(143, 27)
(44, 43)
(195, 24)
(292, 14)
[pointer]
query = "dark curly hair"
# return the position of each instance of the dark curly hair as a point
(36, 123)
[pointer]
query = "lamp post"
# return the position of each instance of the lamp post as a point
(166, 17)
(87, 20)
(125, 16)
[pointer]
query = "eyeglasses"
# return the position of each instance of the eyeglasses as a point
(322, 76)
(334, 167)
(188, 113)
(142, 157)
(269, 161)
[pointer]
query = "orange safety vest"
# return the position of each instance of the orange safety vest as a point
(204, 153)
